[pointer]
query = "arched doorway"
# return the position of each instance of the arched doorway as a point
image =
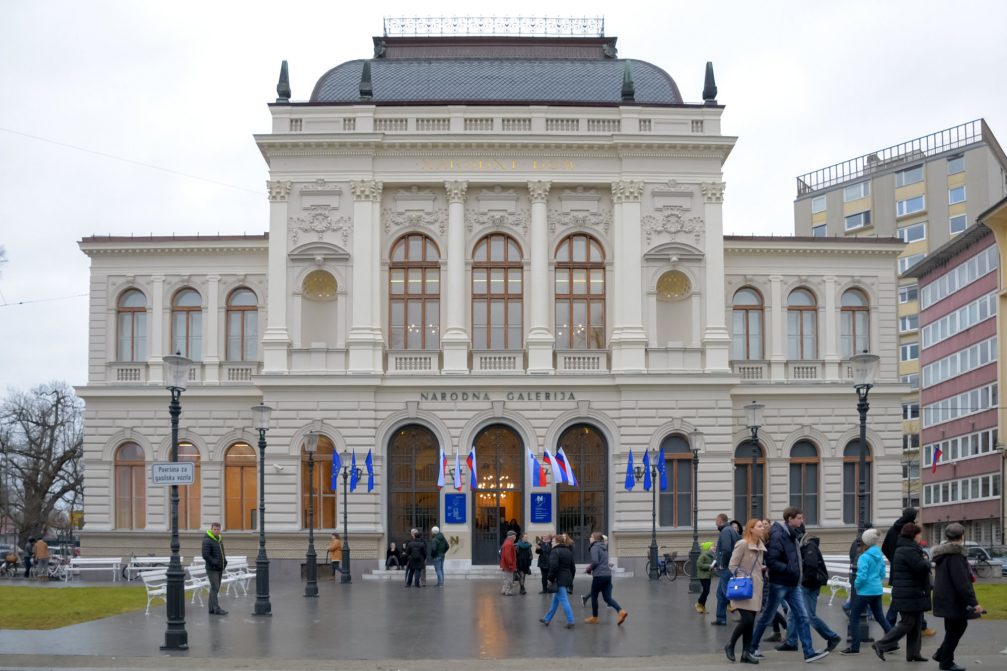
(583, 509)
(413, 498)
(499, 499)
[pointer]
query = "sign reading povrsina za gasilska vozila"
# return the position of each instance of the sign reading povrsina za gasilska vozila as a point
(172, 473)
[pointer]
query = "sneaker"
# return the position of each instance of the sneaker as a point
(757, 654)
(786, 647)
(700, 608)
(544, 621)
(816, 656)
(569, 625)
(849, 651)
(583, 599)
(622, 616)
(929, 631)
(591, 620)
(833, 643)
(719, 623)
(775, 638)
(749, 658)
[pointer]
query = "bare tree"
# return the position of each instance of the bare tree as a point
(42, 443)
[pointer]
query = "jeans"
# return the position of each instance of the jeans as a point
(860, 604)
(811, 602)
(439, 569)
(602, 585)
(560, 598)
(793, 596)
(725, 575)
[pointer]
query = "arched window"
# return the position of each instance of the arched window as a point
(746, 324)
(676, 500)
(130, 487)
(802, 325)
(855, 323)
(187, 324)
(414, 288)
(496, 294)
(131, 326)
(239, 487)
(804, 479)
(320, 484)
(242, 325)
(749, 481)
(851, 482)
(580, 294)
(189, 495)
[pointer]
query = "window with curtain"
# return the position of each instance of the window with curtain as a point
(130, 487)
(851, 483)
(131, 326)
(802, 325)
(414, 281)
(240, 505)
(497, 292)
(855, 321)
(580, 293)
(320, 485)
(242, 325)
(187, 324)
(188, 495)
(749, 482)
(676, 501)
(746, 325)
(804, 479)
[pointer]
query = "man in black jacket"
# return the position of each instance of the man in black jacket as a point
(543, 550)
(815, 576)
(888, 550)
(725, 546)
(954, 596)
(216, 562)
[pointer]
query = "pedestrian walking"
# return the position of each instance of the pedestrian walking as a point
(562, 570)
(543, 550)
(814, 577)
(416, 558)
(523, 551)
(40, 556)
(954, 596)
(26, 553)
(704, 567)
(438, 552)
(888, 550)
(868, 588)
(747, 560)
(215, 561)
(779, 621)
(508, 563)
(335, 551)
(726, 541)
(910, 595)
(601, 579)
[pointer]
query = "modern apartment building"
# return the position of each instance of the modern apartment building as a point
(926, 191)
(958, 294)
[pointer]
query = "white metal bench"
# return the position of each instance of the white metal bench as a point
(155, 582)
(838, 567)
(77, 564)
(138, 564)
(198, 582)
(236, 576)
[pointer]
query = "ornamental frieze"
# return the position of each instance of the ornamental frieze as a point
(582, 219)
(499, 219)
(435, 219)
(671, 220)
(319, 220)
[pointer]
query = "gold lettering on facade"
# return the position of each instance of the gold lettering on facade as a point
(496, 165)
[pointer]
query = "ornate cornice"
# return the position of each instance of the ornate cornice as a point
(415, 219)
(456, 190)
(278, 190)
(713, 192)
(319, 220)
(366, 190)
(627, 191)
(538, 192)
(517, 219)
(670, 220)
(580, 219)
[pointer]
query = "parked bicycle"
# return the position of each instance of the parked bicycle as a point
(10, 567)
(984, 569)
(667, 565)
(130, 570)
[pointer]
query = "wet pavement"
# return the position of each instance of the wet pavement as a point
(466, 624)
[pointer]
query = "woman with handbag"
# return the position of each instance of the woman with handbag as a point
(745, 588)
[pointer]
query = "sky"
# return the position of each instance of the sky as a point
(124, 117)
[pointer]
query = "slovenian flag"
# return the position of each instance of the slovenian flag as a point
(566, 466)
(557, 473)
(937, 456)
(647, 482)
(337, 465)
(458, 473)
(471, 461)
(630, 479)
(442, 468)
(538, 478)
(662, 468)
(369, 461)
(354, 473)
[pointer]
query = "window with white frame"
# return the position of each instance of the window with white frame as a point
(956, 195)
(910, 441)
(909, 293)
(909, 323)
(854, 323)
(960, 405)
(910, 206)
(960, 362)
(976, 488)
(907, 262)
(909, 176)
(958, 223)
(910, 411)
(909, 352)
(818, 204)
(970, 445)
(858, 220)
(856, 191)
(819, 231)
(913, 380)
(956, 164)
(802, 325)
(912, 233)
(963, 318)
(960, 276)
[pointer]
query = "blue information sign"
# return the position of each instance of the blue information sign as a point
(454, 509)
(541, 508)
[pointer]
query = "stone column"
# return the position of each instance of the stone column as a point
(831, 326)
(716, 337)
(275, 341)
(155, 370)
(211, 338)
(539, 290)
(776, 336)
(455, 342)
(629, 341)
(365, 341)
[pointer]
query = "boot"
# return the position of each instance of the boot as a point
(700, 608)
(622, 616)
(591, 620)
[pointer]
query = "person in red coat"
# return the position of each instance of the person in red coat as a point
(508, 563)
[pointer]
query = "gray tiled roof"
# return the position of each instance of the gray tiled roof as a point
(513, 80)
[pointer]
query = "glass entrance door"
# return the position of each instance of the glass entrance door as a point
(498, 502)
(583, 509)
(413, 498)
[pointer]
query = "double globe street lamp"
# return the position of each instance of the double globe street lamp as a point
(260, 421)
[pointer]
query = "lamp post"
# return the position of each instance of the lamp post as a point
(175, 636)
(344, 565)
(639, 474)
(311, 587)
(694, 442)
(260, 420)
(865, 367)
(753, 418)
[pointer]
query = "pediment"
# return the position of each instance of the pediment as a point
(319, 251)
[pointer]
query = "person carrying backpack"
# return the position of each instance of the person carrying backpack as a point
(814, 576)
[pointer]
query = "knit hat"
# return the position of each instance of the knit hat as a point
(870, 537)
(706, 546)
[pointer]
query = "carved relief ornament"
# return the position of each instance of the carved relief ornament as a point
(601, 219)
(627, 191)
(437, 219)
(368, 189)
(319, 220)
(713, 192)
(456, 190)
(538, 192)
(517, 219)
(671, 220)
(278, 190)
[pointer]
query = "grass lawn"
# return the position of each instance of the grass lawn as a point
(993, 597)
(26, 607)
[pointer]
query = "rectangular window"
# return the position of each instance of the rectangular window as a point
(909, 293)
(818, 204)
(909, 323)
(910, 441)
(912, 380)
(913, 233)
(858, 220)
(856, 191)
(909, 352)
(956, 195)
(958, 223)
(956, 165)
(910, 206)
(910, 410)
(907, 262)
(909, 176)
(819, 231)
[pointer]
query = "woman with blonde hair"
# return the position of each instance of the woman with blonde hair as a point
(747, 560)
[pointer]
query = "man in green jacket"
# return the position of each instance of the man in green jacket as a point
(216, 561)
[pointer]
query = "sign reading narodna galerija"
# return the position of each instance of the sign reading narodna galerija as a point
(453, 396)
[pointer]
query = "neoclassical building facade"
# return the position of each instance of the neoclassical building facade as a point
(493, 245)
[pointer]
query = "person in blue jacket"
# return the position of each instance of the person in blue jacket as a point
(869, 587)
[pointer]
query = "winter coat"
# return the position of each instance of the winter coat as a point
(870, 572)
(599, 560)
(704, 565)
(543, 551)
(523, 557)
(416, 553)
(910, 577)
(335, 549)
(561, 566)
(726, 541)
(812, 563)
(742, 561)
(41, 550)
(213, 552)
(782, 557)
(440, 546)
(953, 591)
(508, 556)
(892, 541)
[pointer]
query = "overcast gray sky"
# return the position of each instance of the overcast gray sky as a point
(183, 86)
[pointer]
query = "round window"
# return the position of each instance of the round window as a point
(674, 284)
(319, 285)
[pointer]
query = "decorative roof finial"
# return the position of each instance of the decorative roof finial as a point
(283, 86)
(366, 88)
(709, 86)
(628, 89)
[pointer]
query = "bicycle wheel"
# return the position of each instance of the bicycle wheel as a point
(984, 569)
(671, 571)
(647, 569)
(689, 569)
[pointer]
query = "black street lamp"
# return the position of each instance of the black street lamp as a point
(260, 420)
(311, 446)
(865, 368)
(344, 565)
(639, 474)
(694, 442)
(753, 417)
(176, 370)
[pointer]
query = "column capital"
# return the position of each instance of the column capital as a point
(278, 190)
(713, 192)
(539, 191)
(456, 190)
(366, 190)
(627, 191)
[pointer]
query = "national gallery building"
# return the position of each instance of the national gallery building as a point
(496, 245)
